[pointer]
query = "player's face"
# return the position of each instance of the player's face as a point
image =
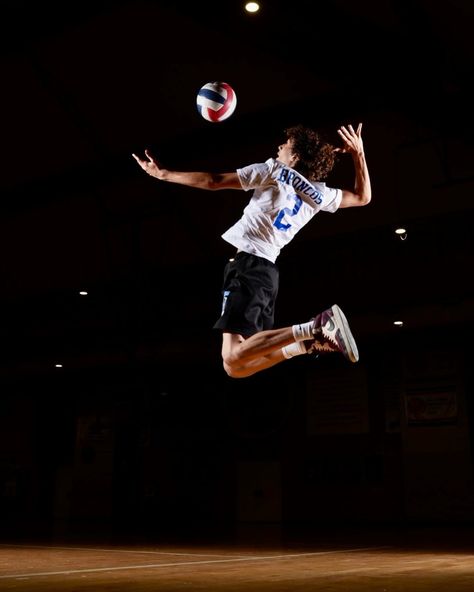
(285, 153)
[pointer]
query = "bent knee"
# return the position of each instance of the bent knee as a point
(232, 371)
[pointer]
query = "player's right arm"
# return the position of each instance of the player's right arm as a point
(199, 180)
(361, 194)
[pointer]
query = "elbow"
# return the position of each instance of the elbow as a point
(214, 182)
(364, 198)
(205, 181)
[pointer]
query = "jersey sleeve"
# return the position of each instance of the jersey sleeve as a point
(332, 199)
(254, 175)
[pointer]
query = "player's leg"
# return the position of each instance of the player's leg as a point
(327, 332)
(244, 357)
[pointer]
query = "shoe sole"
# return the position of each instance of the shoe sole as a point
(348, 338)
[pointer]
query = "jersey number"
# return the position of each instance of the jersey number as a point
(279, 219)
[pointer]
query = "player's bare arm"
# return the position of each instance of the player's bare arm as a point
(199, 180)
(353, 145)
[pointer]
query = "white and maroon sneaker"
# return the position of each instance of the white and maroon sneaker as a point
(332, 334)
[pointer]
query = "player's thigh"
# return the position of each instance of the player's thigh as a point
(229, 342)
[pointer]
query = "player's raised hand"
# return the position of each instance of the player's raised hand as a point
(352, 139)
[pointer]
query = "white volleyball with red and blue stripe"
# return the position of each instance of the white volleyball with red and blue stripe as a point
(216, 101)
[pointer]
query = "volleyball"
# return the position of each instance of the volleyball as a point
(216, 101)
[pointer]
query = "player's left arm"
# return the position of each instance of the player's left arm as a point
(199, 180)
(362, 193)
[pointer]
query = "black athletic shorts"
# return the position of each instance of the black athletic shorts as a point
(249, 293)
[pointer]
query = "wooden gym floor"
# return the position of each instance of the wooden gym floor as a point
(412, 561)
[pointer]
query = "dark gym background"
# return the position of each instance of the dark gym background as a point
(140, 434)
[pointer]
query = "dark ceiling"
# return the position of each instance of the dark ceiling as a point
(87, 84)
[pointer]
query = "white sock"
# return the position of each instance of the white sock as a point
(303, 331)
(294, 349)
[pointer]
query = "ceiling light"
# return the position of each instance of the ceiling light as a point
(398, 323)
(402, 232)
(83, 293)
(252, 7)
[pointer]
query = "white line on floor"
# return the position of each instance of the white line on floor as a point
(180, 564)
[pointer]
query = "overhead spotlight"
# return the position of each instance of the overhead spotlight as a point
(402, 232)
(252, 7)
(58, 365)
(398, 323)
(83, 293)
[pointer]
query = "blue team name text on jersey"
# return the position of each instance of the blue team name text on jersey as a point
(291, 178)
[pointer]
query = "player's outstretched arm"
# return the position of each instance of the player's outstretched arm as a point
(353, 145)
(200, 180)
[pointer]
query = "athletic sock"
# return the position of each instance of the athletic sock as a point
(294, 349)
(303, 331)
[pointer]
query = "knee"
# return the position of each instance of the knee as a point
(233, 364)
(231, 371)
(233, 367)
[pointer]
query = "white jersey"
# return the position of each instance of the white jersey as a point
(283, 201)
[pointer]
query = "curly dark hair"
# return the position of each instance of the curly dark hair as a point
(316, 157)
